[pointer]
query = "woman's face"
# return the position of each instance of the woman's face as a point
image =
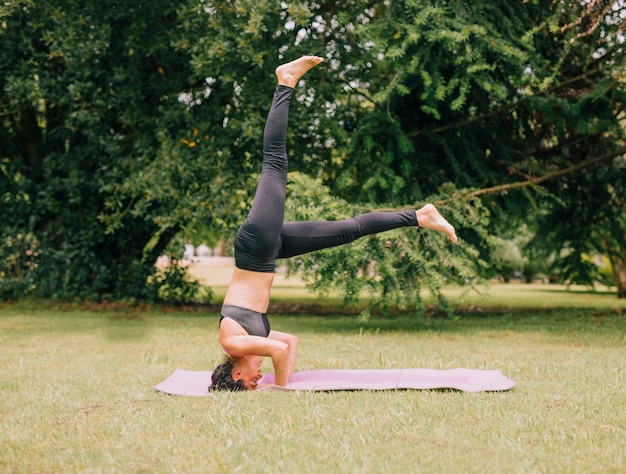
(248, 370)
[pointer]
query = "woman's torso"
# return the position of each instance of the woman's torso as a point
(250, 290)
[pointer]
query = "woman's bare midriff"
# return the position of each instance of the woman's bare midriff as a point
(250, 290)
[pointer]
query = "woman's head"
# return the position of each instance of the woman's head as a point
(237, 373)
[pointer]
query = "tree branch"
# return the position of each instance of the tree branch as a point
(523, 184)
(541, 179)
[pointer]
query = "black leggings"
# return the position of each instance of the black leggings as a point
(264, 236)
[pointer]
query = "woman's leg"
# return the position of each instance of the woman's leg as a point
(298, 238)
(257, 240)
(258, 236)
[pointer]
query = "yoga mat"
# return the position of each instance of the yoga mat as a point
(196, 383)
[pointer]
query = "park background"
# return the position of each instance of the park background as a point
(131, 129)
(128, 130)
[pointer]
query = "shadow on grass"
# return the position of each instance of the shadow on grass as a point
(566, 291)
(555, 321)
(117, 323)
(128, 323)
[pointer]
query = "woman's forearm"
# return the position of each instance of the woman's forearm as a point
(291, 357)
(281, 365)
(284, 360)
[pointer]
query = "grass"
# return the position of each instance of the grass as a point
(288, 289)
(78, 395)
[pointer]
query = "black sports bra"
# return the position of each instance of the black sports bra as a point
(255, 323)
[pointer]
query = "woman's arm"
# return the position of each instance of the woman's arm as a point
(282, 375)
(280, 347)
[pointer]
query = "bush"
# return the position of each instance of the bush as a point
(174, 286)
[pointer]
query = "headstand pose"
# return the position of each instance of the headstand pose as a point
(244, 331)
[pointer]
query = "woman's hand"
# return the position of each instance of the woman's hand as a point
(285, 358)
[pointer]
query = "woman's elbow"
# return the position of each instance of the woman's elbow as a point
(280, 351)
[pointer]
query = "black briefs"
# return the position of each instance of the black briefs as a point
(255, 323)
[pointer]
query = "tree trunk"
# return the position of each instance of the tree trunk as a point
(619, 270)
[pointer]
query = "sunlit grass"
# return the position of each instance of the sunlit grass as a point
(493, 295)
(78, 394)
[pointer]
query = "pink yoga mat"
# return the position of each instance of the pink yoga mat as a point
(196, 383)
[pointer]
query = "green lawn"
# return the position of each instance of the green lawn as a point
(514, 295)
(78, 393)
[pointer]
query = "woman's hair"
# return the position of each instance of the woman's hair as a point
(222, 377)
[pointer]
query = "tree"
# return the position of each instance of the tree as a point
(123, 125)
(521, 100)
(82, 84)
(126, 125)
(586, 133)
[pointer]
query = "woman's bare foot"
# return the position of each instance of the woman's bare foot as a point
(290, 73)
(429, 218)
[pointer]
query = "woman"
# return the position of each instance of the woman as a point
(244, 331)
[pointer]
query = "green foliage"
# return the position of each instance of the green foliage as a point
(173, 286)
(77, 126)
(591, 222)
(123, 127)
(18, 257)
(444, 72)
(391, 268)
(495, 94)
(448, 53)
